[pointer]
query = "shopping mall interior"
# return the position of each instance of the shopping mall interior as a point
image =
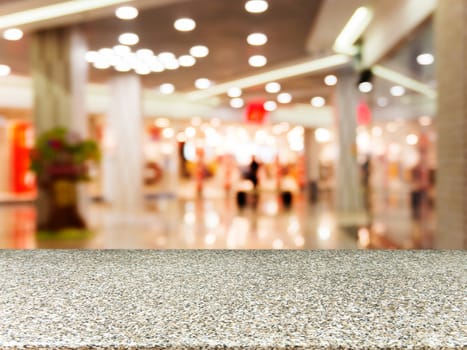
(233, 124)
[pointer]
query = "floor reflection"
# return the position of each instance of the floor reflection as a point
(220, 224)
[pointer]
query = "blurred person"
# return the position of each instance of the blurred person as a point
(253, 170)
(420, 183)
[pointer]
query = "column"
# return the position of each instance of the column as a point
(59, 76)
(123, 153)
(450, 28)
(348, 192)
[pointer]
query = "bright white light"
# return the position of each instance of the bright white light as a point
(270, 106)
(277, 244)
(256, 6)
(190, 131)
(318, 101)
(13, 34)
(199, 51)
(234, 92)
(411, 139)
(122, 67)
(142, 69)
(121, 50)
(236, 102)
(210, 239)
(145, 54)
(106, 53)
(167, 89)
(126, 12)
(257, 61)
(202, 83)
(397, 91)
(330, 80)
(4, 70)
(162, 122)
(165, 57)
(101, 63)
(377, 131)
(365, 87)
(425, 59)
(168, 133)
(257, 39)
(60, 9)
(424, 120)
(273, 87)
(324, 232)
(128, 39)
(353, 30)
(322, 135)
(171, 65)
(91, 56)
(284, 97)
(156, 65)
(184, 24)
(186, 60)
(382, 101)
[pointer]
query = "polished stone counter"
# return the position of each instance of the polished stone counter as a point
(233, 299)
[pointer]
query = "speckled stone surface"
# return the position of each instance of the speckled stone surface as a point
(233, 299)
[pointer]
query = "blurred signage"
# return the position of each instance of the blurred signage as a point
(255, 112)
(363, 114)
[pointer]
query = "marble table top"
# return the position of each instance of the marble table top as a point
(140, 299)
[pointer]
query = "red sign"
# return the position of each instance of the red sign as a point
(255, 112)
(20, 158)
(363, 114)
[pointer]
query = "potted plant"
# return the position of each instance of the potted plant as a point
(60, 160)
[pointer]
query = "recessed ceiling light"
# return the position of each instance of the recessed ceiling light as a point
(284, 97)
(128, 39)
(142, 69)
(122, 67)
(270, 106)
(397, 91)
(365, 87)
(171, 65)
(234, 92)
(91, 56)
(322, 135)
(121, 50)
(318, 101)
(156, 65)
(330, 80)
(273, 87)
(257, 61)
(126, 12)
(4, 70)
(144, 54)
(236, 103)
(256, 6)
(202, 83)
(411, 139)
(425, 59)
(199, 51)
(101, 63)
(13, 34)
(186, 60)
(257, 39)
(167, 89)
(185, 24)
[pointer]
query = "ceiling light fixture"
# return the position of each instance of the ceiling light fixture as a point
(186, 61)
(318, 101)
(91, 56)
(298, 68)
(284, 97)
(121, 50)
(199, 51)
(128, 39)
(257, 61)
(425, 59)
(4, 70)
(257, 39)
(397, 91)
(202, 83)
(403, 80)
(61, 9)
(167, 89)
(234, 92)
(256, 6)
(184, 24)
(270, 106)
(126, 12)
(330, 80)
(365, 87)
(236, 102)
(13, 34)
(354, 28)
(273, 87)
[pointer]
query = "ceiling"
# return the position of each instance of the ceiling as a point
(223, 25)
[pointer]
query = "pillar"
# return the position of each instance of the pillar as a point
(59, 76)
(348, 192)
(450, 28)
(123, 153)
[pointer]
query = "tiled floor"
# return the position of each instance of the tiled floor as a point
(218, 223)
